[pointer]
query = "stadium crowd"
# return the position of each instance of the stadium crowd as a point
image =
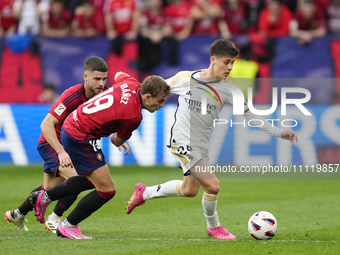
(252, 25)
(158, 19)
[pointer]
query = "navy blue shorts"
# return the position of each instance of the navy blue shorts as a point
(48, 154)
(86, 156)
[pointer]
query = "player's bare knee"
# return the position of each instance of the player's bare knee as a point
(189, 192)
(108, 187)
(107, 194)
(212, 188)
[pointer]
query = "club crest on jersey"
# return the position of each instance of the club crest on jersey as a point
(60, 109)
(99, 156)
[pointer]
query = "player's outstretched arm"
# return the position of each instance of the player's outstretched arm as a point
(289, 135)
(272, 129)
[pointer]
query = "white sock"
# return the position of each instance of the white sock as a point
(53, 216)
(66, 224)
(168, 189)
(209, 203)
(45, 198)
(18, 215)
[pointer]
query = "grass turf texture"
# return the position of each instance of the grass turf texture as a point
(307, 211)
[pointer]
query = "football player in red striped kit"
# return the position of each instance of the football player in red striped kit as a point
(115, 112)
(58, 167)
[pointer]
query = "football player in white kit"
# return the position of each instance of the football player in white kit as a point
(202, 95)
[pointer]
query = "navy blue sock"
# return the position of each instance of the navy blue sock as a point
(89, 204)
(71, 187)
(26, 207)
(63, 204)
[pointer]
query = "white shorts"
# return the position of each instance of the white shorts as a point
(188, 156)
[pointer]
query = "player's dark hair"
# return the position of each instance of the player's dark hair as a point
(155, 85)
(87, 2)
(48, 86)
(222, 47)
(309, 2)
(95, 64)
(59, 1)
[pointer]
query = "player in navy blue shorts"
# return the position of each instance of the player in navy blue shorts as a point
(115, 112)
(58, 165)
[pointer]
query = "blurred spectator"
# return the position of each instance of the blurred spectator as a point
(309, 23)
(28, 14)
(151, 36)
(8, 25)
(178, 17)
(178, 27)
(98, 5)
(207, 15)
(88, 23)
(235, 14)
(322, 5)
(75, 5)
(57, 22)
(49, 95)
(262, 47)
(334, 16)
(254, 9)
(121, 21)
(274, 19)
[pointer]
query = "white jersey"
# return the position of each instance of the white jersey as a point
(199, 104)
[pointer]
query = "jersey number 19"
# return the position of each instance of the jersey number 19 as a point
(99, 102)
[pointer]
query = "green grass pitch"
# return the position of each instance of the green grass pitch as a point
(307, 211)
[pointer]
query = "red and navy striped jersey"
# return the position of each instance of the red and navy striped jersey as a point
(118, 109)
(67, 103)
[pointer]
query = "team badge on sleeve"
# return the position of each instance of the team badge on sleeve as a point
(60, 109)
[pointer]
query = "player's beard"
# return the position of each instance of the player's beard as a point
(95, 91)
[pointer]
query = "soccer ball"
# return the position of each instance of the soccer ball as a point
(262, 225)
